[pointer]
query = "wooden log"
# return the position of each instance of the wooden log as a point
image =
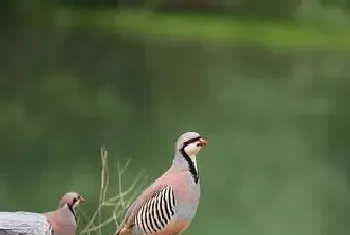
(23, 223)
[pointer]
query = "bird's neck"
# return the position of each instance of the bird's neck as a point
(69, 209)
(194, 161)
(182, 159)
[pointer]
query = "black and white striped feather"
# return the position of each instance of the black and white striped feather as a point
(157, 212)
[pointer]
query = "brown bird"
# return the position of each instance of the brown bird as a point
(63, 221)
(168, 206)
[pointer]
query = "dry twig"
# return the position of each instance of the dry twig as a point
(117, 202)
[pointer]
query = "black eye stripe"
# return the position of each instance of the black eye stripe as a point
(195, 139)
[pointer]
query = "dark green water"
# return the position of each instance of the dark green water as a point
(277, 123)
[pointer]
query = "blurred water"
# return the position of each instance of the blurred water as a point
(277, 124)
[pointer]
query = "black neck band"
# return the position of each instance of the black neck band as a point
(191, 167)
(70, 207)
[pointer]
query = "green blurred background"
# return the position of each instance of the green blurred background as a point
(266, 82)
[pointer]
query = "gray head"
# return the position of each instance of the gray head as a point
(190, 143)
(71, 199)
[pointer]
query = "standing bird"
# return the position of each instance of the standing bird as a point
(168, 206)
(63, 221)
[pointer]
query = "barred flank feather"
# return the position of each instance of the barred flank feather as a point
(157, 212)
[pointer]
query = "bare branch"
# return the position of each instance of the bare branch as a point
(117, 203)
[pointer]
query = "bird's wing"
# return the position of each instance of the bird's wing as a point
(58, 225)
(51, 217)
(140, 201)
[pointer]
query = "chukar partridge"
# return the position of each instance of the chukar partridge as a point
(63, 221)
(168, 206)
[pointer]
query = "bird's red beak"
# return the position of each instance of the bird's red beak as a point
(203, 142)
(82, 200)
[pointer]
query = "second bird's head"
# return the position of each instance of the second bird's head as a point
(190, 143)
(71, 199)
